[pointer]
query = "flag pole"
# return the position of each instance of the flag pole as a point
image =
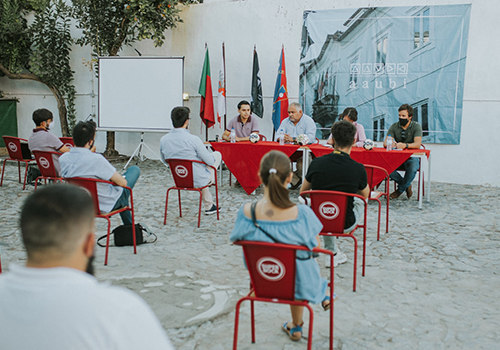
(225, 83)
(206, 125)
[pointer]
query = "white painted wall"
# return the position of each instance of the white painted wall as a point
(269, 24)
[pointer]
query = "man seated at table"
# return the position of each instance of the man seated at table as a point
(180, 144)
(42, 140)
(53, 301)
(244, 124)
(296, 124)
(351, 115)
(82, 161)
(405, 133)
(337, 171)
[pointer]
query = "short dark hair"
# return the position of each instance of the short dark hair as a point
(179, 116)
(343, 133)
(41, 115)
(53, 218)
(83, 132)
(351, 113)
(406, 107)
(244, 103)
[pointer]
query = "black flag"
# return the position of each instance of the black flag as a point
(256, 104)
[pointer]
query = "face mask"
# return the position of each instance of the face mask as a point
(47, 126)
(90, 266)
(403, 122)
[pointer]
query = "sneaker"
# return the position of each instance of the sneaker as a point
(212, 210)
(338, 258)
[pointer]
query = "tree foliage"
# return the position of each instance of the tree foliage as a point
(108, 25)
(40, 51)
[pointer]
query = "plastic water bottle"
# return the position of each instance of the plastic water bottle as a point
(233, 136)
(281, 137)
(389, 142)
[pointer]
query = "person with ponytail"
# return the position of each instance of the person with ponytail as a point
(281, 221)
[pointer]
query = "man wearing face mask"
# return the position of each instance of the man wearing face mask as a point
(55, 302)
(82, 161)
(406, 134)
(42, 140)
(180, 144)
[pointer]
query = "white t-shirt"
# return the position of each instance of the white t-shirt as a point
(63, 308)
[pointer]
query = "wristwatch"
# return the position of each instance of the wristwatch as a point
(406, 146)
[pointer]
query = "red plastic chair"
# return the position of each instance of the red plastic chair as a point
(374, 172)
(45, 162)
(91, 186)
(272, 280)
(182, 171)
(68, 141)
(262, 137)
(330, 208)
(13, 145)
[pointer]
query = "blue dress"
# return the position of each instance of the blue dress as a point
(301, 231)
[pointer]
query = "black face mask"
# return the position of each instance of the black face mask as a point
(90, 266)
(403, 122)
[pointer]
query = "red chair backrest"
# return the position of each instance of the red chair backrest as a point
(13, 145)
(45, 162)
(90, 186)
(68, 141)
(375, 175)
(272, 268)
(182, 171)
(330, 207)
(262, 137)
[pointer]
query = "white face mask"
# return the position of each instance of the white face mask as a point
(48, 125)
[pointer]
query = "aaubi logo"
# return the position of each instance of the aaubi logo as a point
(271, 269)
(13, 147)
(329, 210)
(44, 162)
(181, 171)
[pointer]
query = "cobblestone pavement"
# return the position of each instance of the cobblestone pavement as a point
(432, 282)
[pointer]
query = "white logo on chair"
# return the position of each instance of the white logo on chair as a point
(270, 268)
(329, 210)
(13, 147)
(181, 171)
(44, 162)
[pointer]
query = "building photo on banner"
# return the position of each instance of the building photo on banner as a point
(376, 59)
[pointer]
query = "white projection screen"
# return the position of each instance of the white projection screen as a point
(138, 93)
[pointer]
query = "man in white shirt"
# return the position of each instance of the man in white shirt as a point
(54, 302)
(180, 144)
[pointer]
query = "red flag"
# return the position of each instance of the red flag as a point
(205, 90)
(280, 105)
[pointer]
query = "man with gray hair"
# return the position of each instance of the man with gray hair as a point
(296, 124)
(54, 302)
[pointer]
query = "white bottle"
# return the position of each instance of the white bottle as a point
(389, 142)
(281, 137)
(233, 136)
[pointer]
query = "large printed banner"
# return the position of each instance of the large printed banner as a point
(376, 59)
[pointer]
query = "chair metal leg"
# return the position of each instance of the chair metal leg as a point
(19, 169)
(217, 199)
(25, 175)
(355, 262)
(252, 320)
(133, 232)
(180, 206)
(199, 209)
(379, 212)
(107, 242)
(3, 172)
(166, 207)
(236, 324)
(311, 321)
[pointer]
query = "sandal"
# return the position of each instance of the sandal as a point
(326, 307)
(291, 332)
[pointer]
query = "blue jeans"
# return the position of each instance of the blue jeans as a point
(131, 175)
(411, 168)
(359, 210)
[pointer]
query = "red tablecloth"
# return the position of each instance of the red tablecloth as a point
(243, 159)
(378, 156)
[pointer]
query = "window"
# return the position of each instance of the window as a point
(354, 70)
(421, 28)
(382, 51)
(421, 116)
(378, 128)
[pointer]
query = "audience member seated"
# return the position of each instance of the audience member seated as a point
(281, 221)
(337, 171)
(42, 140)
(82, 161)
(244, 124)
(351, 115)
(180, 144)
(55, 302)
